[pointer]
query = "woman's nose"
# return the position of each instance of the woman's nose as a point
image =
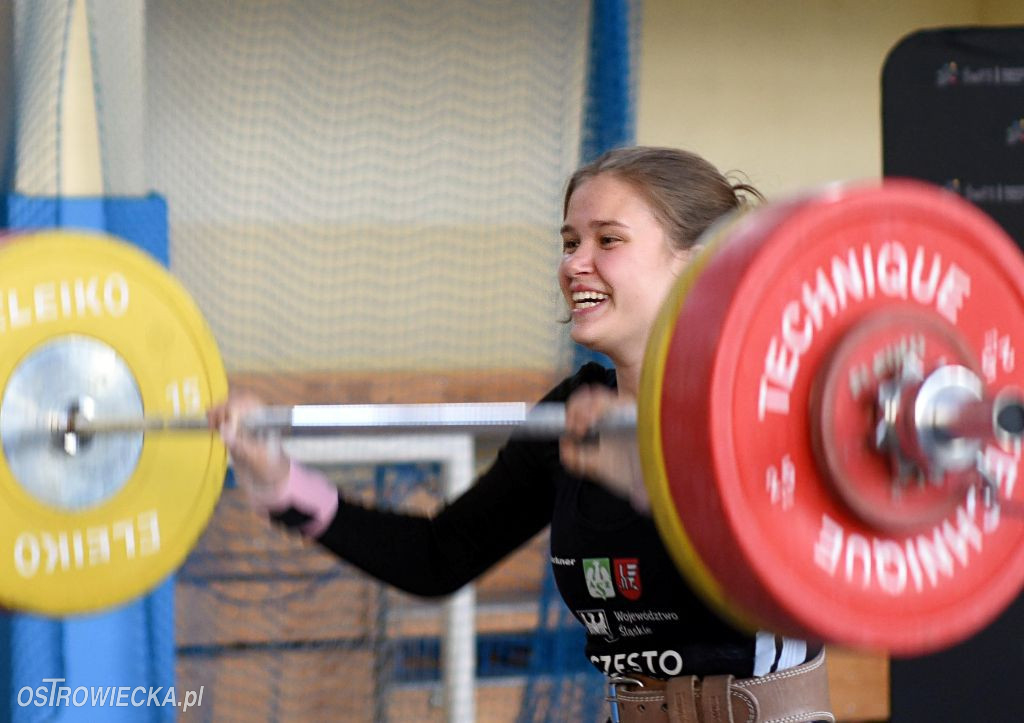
(580, 261)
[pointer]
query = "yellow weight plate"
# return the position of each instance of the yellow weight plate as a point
(649, 434)
(89, 530)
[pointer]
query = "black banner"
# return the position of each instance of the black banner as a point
(953, 114)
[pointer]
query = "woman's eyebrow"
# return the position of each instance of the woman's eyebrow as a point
(598, 223)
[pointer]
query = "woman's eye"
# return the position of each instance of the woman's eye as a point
(609, 240)
(569, 245)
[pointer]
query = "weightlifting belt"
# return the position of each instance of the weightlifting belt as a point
(794, 695)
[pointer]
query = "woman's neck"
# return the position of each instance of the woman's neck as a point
(627, 378)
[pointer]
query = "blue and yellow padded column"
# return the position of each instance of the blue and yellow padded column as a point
(59, 181)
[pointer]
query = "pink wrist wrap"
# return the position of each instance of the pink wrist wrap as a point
(308, 492)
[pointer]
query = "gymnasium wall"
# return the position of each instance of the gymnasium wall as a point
(788, 91)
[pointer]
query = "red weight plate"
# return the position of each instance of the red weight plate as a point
(757, 327)
(844, 415)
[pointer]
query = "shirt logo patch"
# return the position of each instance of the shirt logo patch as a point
(597, 572)
(627, 577)
(596, 622)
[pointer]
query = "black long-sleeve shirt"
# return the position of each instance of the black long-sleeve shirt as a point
(610, 565)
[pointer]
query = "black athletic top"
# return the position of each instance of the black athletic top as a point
(609, 562)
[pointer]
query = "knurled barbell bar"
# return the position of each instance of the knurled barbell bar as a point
(827, 394)
(543, 420)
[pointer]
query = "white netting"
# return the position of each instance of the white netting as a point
(38, 42)
(368, 185)
(359, 187)
(363, 189)
(41, 39)
(6, 90)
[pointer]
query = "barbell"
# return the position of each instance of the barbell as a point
(829, 419)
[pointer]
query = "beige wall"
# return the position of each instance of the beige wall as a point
(787, 91)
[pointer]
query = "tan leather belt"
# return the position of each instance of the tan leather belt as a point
(794, 695)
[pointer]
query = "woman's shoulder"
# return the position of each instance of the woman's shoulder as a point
(589, 373)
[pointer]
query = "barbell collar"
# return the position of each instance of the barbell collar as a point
(1001, 417)
(938, 425)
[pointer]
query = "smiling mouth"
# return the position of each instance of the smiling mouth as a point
(583, 300)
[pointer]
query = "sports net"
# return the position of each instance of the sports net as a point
(366, 195)
(368, 185)
(363, 198)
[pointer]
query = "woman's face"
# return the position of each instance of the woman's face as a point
(617, 267)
